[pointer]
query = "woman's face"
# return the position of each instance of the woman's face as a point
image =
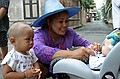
(59, 23)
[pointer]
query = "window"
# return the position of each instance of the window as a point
(31, 9)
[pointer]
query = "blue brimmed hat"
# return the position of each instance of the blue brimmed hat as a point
(52, 7)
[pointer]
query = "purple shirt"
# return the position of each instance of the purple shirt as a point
(45, 47)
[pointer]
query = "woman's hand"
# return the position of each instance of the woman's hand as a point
(95, 46)
(82, 53)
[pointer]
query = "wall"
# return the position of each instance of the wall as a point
(16, 10)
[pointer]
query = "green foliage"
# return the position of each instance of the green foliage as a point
(87, 3)
(105, 9)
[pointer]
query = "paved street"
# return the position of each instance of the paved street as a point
(93, 31)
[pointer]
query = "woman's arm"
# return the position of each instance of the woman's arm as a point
(80, 53)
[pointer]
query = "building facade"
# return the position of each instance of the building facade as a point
(29, 10)
(24, 9)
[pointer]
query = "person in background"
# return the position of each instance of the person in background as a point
(21, 62)
(4, 26)
(116, 14)
(55, 37)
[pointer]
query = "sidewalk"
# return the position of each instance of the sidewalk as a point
(93, 31)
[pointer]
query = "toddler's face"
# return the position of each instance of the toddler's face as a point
(25, 41)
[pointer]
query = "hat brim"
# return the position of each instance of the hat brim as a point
(42, 20)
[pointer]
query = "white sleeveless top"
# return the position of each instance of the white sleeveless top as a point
(19, 62)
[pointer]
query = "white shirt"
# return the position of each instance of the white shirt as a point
(116, 13)
(19, 62)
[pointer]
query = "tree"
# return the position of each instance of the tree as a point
(87, 4)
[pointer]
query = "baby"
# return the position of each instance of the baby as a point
(21, 62)
(110, 41)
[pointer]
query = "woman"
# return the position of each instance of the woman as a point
(54, 38)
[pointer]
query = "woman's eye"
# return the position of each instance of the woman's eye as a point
(27, 38)
(61, 21)
(66, 21)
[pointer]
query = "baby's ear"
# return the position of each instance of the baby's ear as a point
(12, 40)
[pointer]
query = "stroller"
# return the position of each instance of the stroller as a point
(77, 69)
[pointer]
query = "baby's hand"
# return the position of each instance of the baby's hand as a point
(29, 73)
(38, 72)
(32, 72)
